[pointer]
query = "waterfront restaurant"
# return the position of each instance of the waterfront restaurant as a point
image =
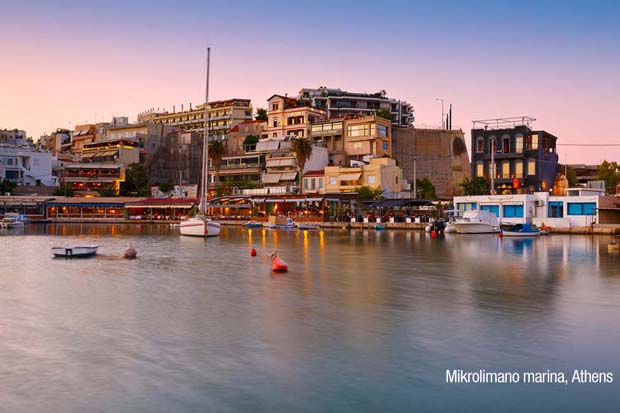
(32, 207)
(310, 208)
(96, 208)
(233, 207)
(160, 209)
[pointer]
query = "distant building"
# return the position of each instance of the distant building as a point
(585, 173)
(26, 166)
(438, 155)
(234, 142)
(523, 161)
(177, 160)
(368, 136)
(339, 103)
(58, 142)
(13, 137)
(379, 173)
(288, 117)
(149, 135)
(223, 116)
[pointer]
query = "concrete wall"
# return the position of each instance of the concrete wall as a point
(441, 156)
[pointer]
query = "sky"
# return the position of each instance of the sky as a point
(72, 62)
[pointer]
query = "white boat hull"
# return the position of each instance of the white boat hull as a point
(474, 228)
(198, 227)
(521, 234)
(75, 251)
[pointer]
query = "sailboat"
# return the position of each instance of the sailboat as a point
(200, 225)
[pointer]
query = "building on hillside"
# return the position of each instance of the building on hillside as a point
(223, 116)
(585, 173)
(367, 136)
(438, 155)
(379, 173)
(338, 104)
(26, 166)
(235, 141)
(58, 142)
(240, 171)
(14, 137)
(330, 133)
(101, 167)
(287, 117)
(523, 161)
(177, 160)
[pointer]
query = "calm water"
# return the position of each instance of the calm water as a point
(363, 321)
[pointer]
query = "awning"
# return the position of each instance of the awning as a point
(88, 155)
(350, 177)
(257, 200)
(240, 206)
(271, 163)
(288, 176)
(271, 178)
(155, 206)
(511, 203)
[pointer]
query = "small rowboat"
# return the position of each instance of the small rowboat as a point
(75, 251)
(253, 224)
(521, 230)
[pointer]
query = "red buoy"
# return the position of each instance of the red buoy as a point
(253, 252)
(277, 264)
(500, 235)
(433, 234)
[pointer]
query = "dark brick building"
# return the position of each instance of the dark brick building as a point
(525, 160)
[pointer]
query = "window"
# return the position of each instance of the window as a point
(479, 169)
(275, 123)
(275, 106)
(305, 183)
(320, 183)
(358, 130)
(581, 208)
(479, 144)
(371, 179)
(534, 141)
(493, 208)
(396, 180)
(506, 169)
(332, 180)
(386, 146)
(493, 169)
(531, 167)
(382, 131)
(519, 143)
(513, 211)
(556, 209)
(466, 206)
(519, 169)
(312, 183)
(506, 144)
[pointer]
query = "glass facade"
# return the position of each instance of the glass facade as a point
(581, 208)
(513, 211)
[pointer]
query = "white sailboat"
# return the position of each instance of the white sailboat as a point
(200, 225)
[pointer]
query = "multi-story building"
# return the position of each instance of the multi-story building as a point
(585, 173)
(13, 137)
(330, 133)
(339, 103)
(102, 166)
(515, 158)
(368, 136)
(235, 141)
(288, 117)
(379, 173)
(26, 166)
(176, 160)
(240, 171)
(148, 134)
(223, 116)
(58, 142)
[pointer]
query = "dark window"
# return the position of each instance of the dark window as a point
(556, 209)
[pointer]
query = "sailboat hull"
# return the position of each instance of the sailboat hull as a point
(199, 227)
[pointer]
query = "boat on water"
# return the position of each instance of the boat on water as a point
(521, 230)
(75, 251)
(477, 222)
(13, 220)
(279, 223)
(253, 224)
(379, 227)
(200, 225)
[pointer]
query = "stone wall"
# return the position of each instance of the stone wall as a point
(441, 156)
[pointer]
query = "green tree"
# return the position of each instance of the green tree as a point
(6, 186)
(217, 150)
(302, 148)
(366, 193)
(610, 173)
(261, 114)
(251, 140)
(107, 192)
(426, 189)
(64, 191)
(476, 186)
(165, 187)
(136, 181)
(384, 113)
(570, 174)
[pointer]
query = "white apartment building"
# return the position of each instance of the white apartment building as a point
(26, 166)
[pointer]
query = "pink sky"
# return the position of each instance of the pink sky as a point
(65, 74)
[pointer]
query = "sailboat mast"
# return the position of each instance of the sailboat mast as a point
(205, 142)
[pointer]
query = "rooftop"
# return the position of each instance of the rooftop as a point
(503, 123)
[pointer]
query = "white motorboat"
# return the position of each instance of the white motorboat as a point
(307, 225)
(477, 222)
(13, 220)
(75, 251)
(200, 225)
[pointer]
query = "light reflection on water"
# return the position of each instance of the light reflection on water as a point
(364, 320)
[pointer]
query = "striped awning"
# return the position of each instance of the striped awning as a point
(271, 178)
(288, 176)
(350, 177)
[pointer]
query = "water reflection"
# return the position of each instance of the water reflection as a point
(363, 309)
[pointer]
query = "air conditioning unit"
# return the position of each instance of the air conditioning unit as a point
(540, 203)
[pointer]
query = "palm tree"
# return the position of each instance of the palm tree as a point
(302, 148)
(216, 153)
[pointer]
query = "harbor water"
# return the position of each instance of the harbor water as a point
(363, 320)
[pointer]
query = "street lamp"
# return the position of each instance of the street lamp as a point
(442, 113)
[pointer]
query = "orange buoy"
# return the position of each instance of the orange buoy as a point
(433, 234)
(277, 264)
(253, 252)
